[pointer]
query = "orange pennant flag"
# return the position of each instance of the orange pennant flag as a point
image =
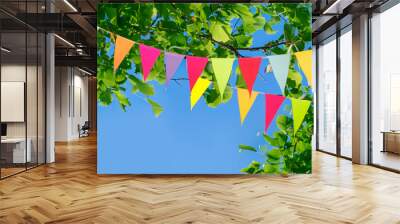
(122, 48)
(245, 101)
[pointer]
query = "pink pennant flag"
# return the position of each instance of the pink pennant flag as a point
(195, 66)
(272, 104)
(249, 68)
(172, 62)
(149, 56)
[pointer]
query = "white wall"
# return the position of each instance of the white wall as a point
(16, 73)
(80, 110)
(62, 82)
(71, 102)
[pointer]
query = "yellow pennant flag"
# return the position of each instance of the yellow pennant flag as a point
(222, 70)
(304, 58)
(198, 90)
(299, 110)
(245, 101)
(122, 48)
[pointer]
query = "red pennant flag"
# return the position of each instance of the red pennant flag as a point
(195, 66)
(272, 104)
(249, 68)
(149, 56)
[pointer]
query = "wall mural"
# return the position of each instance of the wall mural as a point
(200, 88)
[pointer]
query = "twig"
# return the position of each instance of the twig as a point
(229, 47)
(179, 79)
(176, 80)
(265, 47)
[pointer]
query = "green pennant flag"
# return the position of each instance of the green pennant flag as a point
(299, 109)
(222, 70)
(280, 67)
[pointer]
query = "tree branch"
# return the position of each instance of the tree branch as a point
(236, 50)
(265, 47)
(229, 47)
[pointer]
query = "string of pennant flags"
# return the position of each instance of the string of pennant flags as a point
(222, 67)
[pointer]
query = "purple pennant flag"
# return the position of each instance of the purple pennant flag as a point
(172, 62)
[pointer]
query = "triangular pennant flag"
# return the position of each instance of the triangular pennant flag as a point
(272, 104)
(198, 90)
(249, 68)
(304, 59)
(149, 56)
(121, 49)
(222, 70)
(280, 68)
(172, 62)
(245, 101)
(195, 66)
(299, 109)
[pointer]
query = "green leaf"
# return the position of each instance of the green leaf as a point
(240, 83)
(274, 20)
(303, 14)
(295, 76)
(268, 29)
(157, 109)
(227, 94)
(281, 138)
(244, 40)
(242, 10)
(271, 141)
(274, 154)
(248, 24)
(111, 14)
(122, 99)
(219, 32)
(271, 168)
(143, 87)
(212, 97)
(253, 168)
(259, 22)
(283, 122)
(105, 97)
(246, 147)
(108, 77)
(289, 32)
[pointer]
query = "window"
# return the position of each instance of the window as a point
(22, 77)
(385, 89)
(327, 95)
(346, 92)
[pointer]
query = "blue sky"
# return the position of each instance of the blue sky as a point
(180, 141)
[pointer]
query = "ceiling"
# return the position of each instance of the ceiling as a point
(330, 15)
(74, 22)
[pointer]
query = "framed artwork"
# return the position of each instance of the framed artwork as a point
(204, 88)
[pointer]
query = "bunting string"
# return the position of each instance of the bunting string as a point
(222, 67)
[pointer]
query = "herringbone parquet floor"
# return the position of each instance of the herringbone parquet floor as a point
(70, 191)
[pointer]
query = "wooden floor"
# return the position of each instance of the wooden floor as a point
(70, 191)
(386, 159)
(5, 172)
